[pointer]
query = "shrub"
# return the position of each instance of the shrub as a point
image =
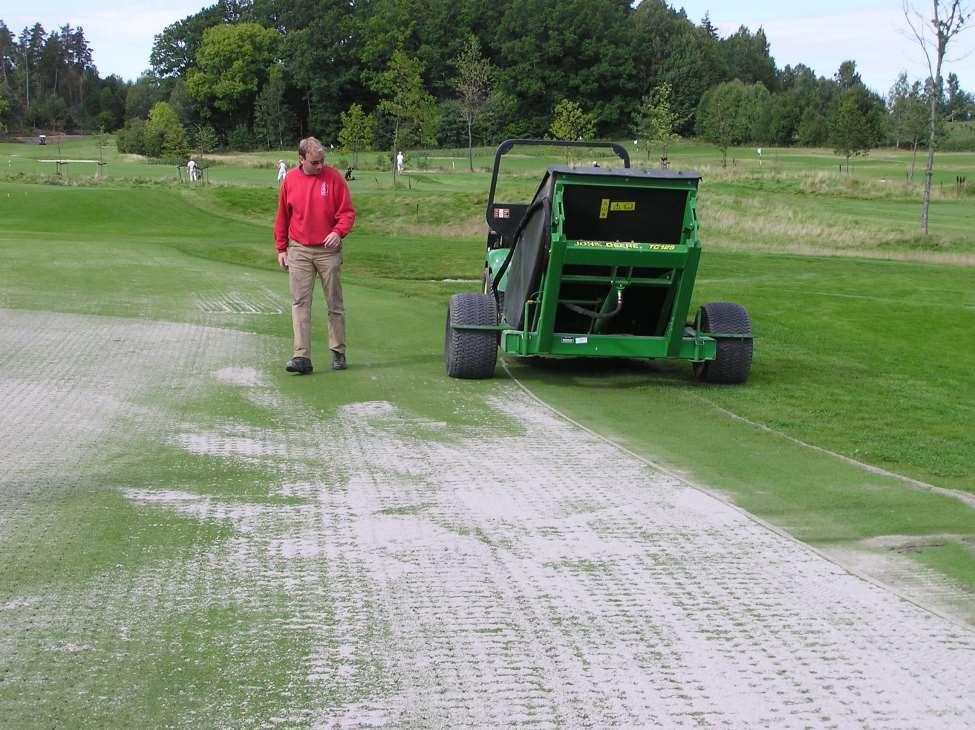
(241, 139)
(131, 138)
(164, 135)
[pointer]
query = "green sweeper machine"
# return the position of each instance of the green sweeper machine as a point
(600, 263)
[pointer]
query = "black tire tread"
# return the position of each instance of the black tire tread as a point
(471, 354)
(733, 363)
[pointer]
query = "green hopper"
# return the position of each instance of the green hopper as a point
(600, 263)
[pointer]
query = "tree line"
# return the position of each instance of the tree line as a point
(405, 73)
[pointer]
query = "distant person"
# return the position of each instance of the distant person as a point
(314, 214)
(282, 170)
(399, 161)
(664, 162)
(191, 169)
(348, 173)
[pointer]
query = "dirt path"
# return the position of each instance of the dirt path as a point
(529, 575)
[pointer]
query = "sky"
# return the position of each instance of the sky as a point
(824, 33)
(820, 34)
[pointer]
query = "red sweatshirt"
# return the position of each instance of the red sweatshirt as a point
(312, 206)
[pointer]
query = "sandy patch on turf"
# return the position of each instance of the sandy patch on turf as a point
(66, 381)
(542, 577)
(886, 559)
(241, 376)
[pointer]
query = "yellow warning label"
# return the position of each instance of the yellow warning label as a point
(606, 206)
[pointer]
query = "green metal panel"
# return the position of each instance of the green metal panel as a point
(675, 263)
(495, 258)
(610, 255)
(697, 349)
(684, 288)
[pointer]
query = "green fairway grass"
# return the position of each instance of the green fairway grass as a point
(856, 355)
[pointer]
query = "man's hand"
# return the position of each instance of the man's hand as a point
(333, 240)
(283, 259)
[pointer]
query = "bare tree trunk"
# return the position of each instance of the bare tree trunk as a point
(910, 177)
(929, 168)
(395, 150)
(470, 144)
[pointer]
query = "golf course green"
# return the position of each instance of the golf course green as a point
(124, 295)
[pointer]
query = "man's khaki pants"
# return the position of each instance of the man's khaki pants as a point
(305, 264)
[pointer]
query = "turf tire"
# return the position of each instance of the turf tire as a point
(734, 357)
(471, 354)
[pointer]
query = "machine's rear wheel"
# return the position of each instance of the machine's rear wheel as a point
(471, 354)
(734, 356)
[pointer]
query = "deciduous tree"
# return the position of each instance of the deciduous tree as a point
(854, 124)
(747, 57)
(412, 110)
(656, 121)
(934, 33)
(143, 95)
(957, 101)
(4, 108)
(273, 119)
(475, 76)
(696, 65)
(174, 49)
(231, 66)
(908, 109)
(205, 139)
(571, 49)
(164, 136)
(569, 122)
(357, 131)
(728, 113)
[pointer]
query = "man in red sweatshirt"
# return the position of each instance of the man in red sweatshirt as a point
(314, 214)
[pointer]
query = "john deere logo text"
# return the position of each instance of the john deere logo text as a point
(607, 244)
(629, 245)
(616, 206)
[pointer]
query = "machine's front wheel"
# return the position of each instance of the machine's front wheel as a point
(733, 363)
(471, 354)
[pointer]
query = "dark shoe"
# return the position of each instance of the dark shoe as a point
(300, 365)
(338, 361)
